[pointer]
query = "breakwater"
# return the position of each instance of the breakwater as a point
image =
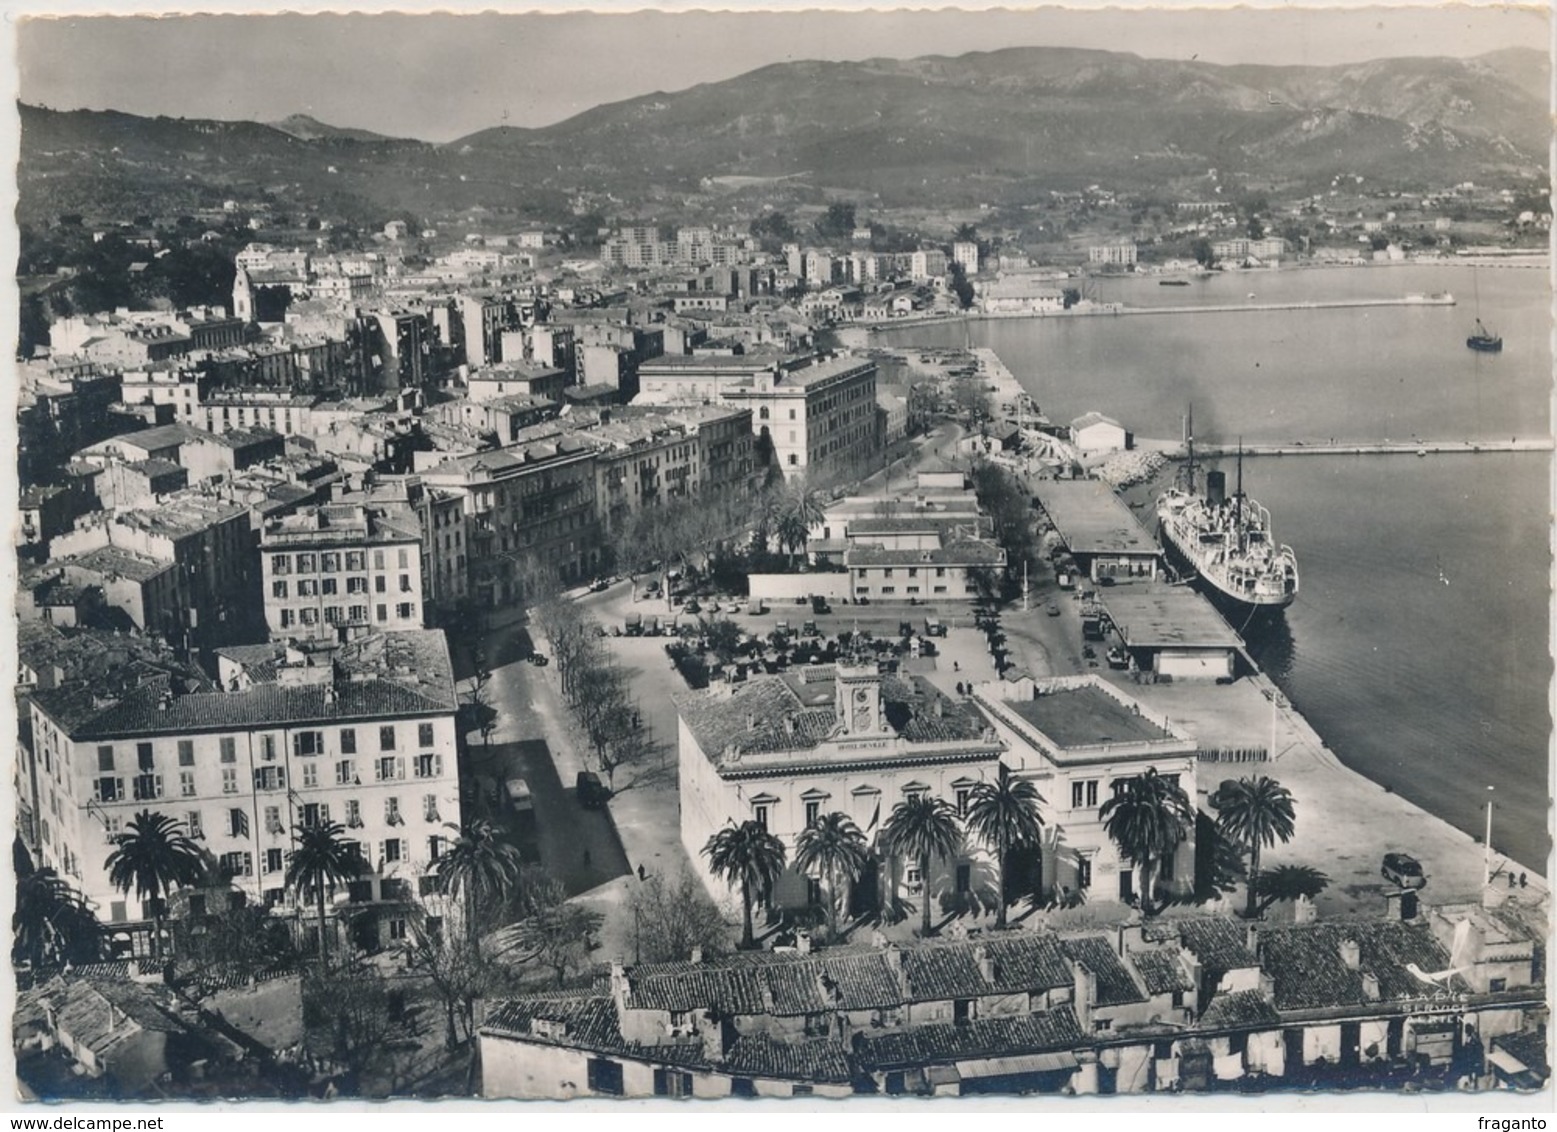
(1373, 448)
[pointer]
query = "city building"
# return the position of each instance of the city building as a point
(341, 570)
(1113, 255)
(363, 734)
(1099, 531)
(782, 750)
(816, 415)
(966, 253)
(1093, 433)
(1200, 1005)
(1079, 738)
(529, 508)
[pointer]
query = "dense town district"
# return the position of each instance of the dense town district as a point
(459, 667)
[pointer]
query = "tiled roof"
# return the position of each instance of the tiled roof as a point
(815, 1059)
(115, 561)
(987, 1037)
(1220, 945)
(391, 675)
(1161, 971)
(1239, 1009)
(767, 715)
(1306, 965)
(590, 1023)
(1115, 986)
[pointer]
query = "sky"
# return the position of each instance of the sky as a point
(441, 76)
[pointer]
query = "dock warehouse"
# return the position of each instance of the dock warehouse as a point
(1174, 631)
(1098, 529)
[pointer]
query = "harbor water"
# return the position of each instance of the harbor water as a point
(1418, 646)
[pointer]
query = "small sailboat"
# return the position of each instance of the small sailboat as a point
(1484, 340)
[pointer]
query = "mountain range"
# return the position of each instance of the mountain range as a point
(1004, 126)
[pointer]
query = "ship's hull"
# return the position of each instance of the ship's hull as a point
(1485, 345)
(1237, 609)
(1229, 555)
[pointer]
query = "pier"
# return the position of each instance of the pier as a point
(1317, 305)
(1378, 448)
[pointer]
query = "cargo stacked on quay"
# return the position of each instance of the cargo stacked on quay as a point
(1228, 543)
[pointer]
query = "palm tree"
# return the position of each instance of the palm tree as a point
(922, 827)
(324, 857)
(153, 857)
(1255, 812)
(835, 847)
(1003, 815)
(52, 925)
(748, 855)
(479, 870)
(804, 505)
(792, 533)
(1147, 818)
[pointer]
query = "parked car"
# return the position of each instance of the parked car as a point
(599, 585)
(592, 793)
(1054, 610)
(1403, 870)
(519, 795)
(819, 605)
(538, 659)
(808, 629)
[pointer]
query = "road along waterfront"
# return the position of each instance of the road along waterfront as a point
(1418, 644)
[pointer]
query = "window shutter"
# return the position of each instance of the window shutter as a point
(400, 766)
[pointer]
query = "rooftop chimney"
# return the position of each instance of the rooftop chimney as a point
(697, 955)
(986, 964)
(1351, 953)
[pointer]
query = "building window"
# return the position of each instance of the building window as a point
(307, 743)
(391, 850)
(273, 820)
(348, 741)
(392, 811)
(672, 1083)
(193, 823)
(278, 589)
(1083, 872)
(386, 738)
(428, 766)
(237, 822)
(353, 814)
(1083, 793)
(424, 734)
(963, 793)
(813, 812)
(229, 780)
(603, 1077)
(345, 772)
(310, 774)
(239, 864)
(329, 587)
(229, 748)
(430, 807)
(280, 564)
(760, 814)
(389, 768)
(186, 752)
(305, 564)
(105, 758)
(186, 783)
(273, 860)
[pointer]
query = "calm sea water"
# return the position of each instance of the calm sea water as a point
(1418, 646)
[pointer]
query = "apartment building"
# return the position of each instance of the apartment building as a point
(528, 508)
(363, 734)
(817, 416)
(341, 570)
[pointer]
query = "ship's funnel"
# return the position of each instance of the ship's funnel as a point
(1216, 488)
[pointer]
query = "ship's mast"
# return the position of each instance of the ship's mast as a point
(1189, 438)
(1238, 501)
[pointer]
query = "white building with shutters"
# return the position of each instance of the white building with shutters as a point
(362, 734)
